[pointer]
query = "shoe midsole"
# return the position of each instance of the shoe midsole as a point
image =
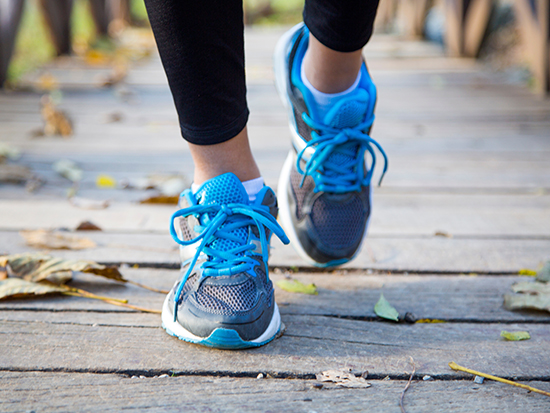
(183, 333)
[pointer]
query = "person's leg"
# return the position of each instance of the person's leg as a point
(338, 31)
(324, 188)
(225, 298)
(202, 49)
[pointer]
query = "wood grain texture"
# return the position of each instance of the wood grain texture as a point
(453, 298)
(27, 391)
(311, 344)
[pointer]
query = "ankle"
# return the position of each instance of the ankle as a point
(330, 71)
(233, 156)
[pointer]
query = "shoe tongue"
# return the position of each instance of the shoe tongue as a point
(224, 189)
(348, 111)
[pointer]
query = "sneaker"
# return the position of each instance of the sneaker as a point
(324, 187)
(225, 298)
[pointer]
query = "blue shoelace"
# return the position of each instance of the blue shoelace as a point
(231, 217)
(352, 143)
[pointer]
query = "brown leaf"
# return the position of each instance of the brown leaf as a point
(38, 267)
(16, 287)
(161, 199)
(343, 379)
(56, 240)
(56, 122)
(14, 173)
(88, 226)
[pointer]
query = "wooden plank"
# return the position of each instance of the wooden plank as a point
(111, 392)
(310, 344)
(451, 298)
(393, 214)
(392, 253)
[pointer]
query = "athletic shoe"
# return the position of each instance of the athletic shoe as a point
(225, 298)
(324, 187)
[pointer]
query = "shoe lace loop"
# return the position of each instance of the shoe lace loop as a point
(353, 142)
(219, 221)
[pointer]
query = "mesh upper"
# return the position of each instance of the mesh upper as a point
(338, 224)
(227, 299)
(215, 297)
(300, 193)
(225, 189)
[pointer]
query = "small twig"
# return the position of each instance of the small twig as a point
(97, 297)
(456, 367)
(407, 386)
(147, 287)
(134, 307)
(108, 301)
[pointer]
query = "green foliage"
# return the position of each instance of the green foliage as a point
(32, 47)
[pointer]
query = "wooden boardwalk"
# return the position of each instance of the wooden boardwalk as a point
(465, 205)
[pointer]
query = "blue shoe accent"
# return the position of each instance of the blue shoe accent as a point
(225, 298)
(325, 185)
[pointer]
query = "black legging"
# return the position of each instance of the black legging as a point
(201, 45)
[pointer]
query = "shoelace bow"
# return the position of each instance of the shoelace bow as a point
(352, 142)
(232, 261)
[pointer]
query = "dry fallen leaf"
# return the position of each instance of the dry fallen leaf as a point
(117, 75)
(56, 240)
(47, 82)
(160, 199)
(343, 379)
(37, 267)
(531, 287)
(527, 302)
(85, 203)
(88, 226)
(15, 173)
(170, 185)
(56, 122)
(16, 287)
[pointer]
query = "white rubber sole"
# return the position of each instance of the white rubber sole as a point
(216, 338)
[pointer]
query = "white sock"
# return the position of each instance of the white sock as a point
(324, 100)
(252, 187)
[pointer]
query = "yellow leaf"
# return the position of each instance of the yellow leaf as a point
(295, 286)
(105, 181)
(430, 320)
(527, 272)
(96, 58)
(515, 336)
(47, 82)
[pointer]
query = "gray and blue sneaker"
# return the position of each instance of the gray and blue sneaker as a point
(225, 298)
(324, 187)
